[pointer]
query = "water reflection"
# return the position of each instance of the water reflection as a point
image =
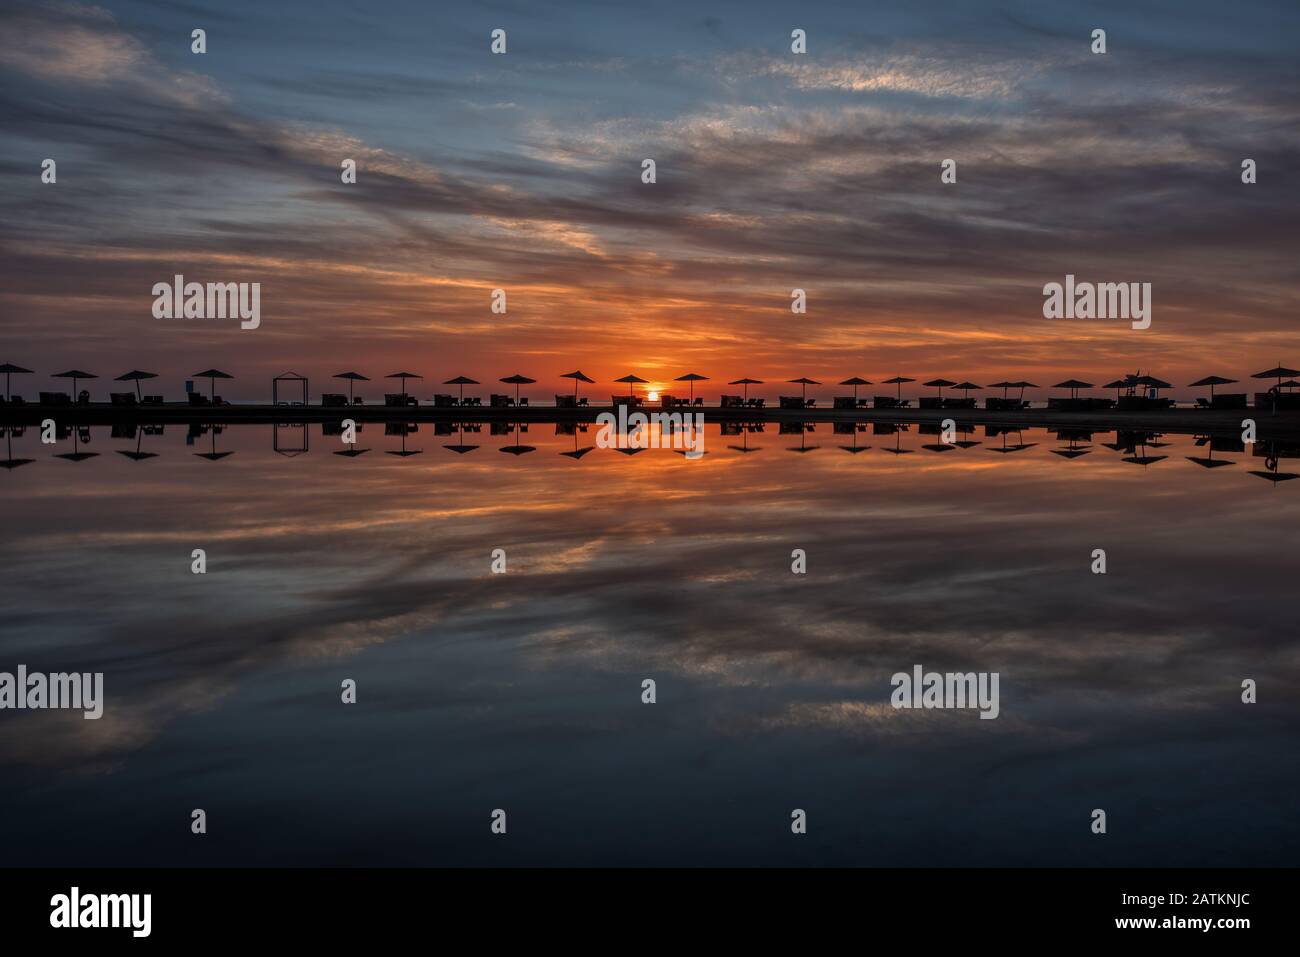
(522, 690)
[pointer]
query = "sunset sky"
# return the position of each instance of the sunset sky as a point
(775, 171)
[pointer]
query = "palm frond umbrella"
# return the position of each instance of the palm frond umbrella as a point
(577, 376)
(462, 381)
(805, 382)
(74, 375)
(940, 384)
(135, 375)
(1211, 381)
(898, 380)
(1278, 372)
(403, 376)
(855, 381)
(212, 375)
(353, 378)
(746, 382)
(694, 377)
(517, 380)
(630, 379)
(1074, 385)
(9, 369)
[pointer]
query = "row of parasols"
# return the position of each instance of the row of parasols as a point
(1279, 372)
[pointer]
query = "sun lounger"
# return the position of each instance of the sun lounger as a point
(333, 399)
(1228, 400)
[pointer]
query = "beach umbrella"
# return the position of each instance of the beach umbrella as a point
(10, 463)
(517, 380)
(213, 455)
(1004, 385)
(1289, 384)
(462, 381)
(401, 429)
(1208, 462)
(855, 381)
(966, 387)
(351, 453)
(1022, 385)
(1211, 381)
(746, 382)
(403, 376)
(353, 378)
(9, 369)
(630, 379)
(694, 377)
(1117, 385)
(1278, 372)
(1151, 381)
(898, 380)
(75, 455)
(805, 382)
(212, 375)
(577, 377)
(940, 384)
(138, 455)
(517, 449)
(75, 374)
(135, 375)
(460, 448)
(1074, 385)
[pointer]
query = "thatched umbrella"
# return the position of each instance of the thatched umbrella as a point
(694, 377)
(856, 381)
(1022, 385)
(940, 384)
(630, 379)
(462, 381)
(212, 375)
(353, 378)
(9, 369)
(1074, 385)
(403, 376)
(517, 380)
(1211, 381)
(1278, 372)
(898, 380)
(75, 374)
(805, 382)
(135, 375)
(577, 377)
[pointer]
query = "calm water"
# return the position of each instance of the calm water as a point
(523, 691)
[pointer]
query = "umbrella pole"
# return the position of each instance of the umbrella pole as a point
(137, 390)
(212, 393)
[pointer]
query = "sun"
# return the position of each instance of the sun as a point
(653, 396)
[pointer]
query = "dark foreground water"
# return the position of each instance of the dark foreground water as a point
(522, 691)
